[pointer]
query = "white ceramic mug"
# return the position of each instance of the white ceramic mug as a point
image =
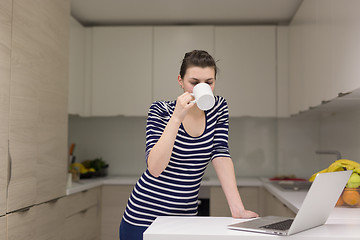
(204, 97)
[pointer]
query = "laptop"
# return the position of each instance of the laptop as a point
(315, 210)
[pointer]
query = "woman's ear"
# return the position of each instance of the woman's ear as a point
(180, 81)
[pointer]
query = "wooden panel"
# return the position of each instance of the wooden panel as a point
(5, 53)
(50, 219)
(83, 226)
(113, 204)
(25, 68)
(3, 228)
(274, 207)
(51, 167)
(250, 198)
(78, 202)
(219, 206)
(38, 101)
(21, 225)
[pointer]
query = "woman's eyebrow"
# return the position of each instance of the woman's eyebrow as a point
(208, 79)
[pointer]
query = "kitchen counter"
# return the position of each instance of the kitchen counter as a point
(86, 184)
(211, 228)
(343, 223)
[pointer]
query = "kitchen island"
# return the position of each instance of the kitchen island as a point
(343, 223)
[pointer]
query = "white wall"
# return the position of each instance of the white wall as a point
(260, 147)
(121, 142)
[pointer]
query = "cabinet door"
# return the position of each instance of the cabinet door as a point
(113, 204)
(247, 63)
(38, 102)
(274, 207)
(50, 219)
(3, 228)
(219, 206)
(345, 39)
(121, 71)
(5, 53)
(170, 46)
(76, 68)
(51, 167)
(21, 225)
(24, 108)
(83, 225)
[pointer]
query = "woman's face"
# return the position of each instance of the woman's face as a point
(195, 75)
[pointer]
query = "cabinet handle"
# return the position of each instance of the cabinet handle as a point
(84, 211)
(24, 209)
(341, 94)
(53, 201)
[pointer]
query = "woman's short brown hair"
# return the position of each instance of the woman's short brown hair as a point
(197, 58)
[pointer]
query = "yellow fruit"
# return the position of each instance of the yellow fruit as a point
(349, 164)
(312, 178)
(79, 166)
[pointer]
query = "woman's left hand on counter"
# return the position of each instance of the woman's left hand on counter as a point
(245, 214)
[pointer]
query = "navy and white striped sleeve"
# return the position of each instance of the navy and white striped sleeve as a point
(155, 125)
(221, 134)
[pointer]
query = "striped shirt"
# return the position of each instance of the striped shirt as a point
(175, 191)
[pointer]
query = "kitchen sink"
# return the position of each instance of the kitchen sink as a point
(292, 185)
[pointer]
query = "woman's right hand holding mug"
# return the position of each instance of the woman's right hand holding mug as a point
(183, 103)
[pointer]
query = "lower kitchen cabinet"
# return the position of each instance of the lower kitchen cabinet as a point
(82, 215)
(83, 225)
(40, 222)
(113, 204)
(273, 206)
(3, 228)
(21, 224)
(49, 222)
(219, 206)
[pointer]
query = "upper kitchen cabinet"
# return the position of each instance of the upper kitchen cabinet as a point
(247, 69)
(345, 39)
(38, 102)
(5, 54)
(121, 71)
(324, 52)
(77, 80)
(170, 45)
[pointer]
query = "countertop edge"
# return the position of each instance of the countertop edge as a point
(86, 184)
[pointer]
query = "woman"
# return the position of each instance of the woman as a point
(181, 140)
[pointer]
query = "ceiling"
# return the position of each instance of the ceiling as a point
(183, 12)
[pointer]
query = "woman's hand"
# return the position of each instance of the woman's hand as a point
(244, 214)
(183, 104)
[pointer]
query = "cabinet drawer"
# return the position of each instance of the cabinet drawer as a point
(49, 222)
(21, 225)
(84, 225)
(78, 202)
(3, 228)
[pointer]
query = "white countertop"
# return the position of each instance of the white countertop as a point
(343, 223)
(211, 228)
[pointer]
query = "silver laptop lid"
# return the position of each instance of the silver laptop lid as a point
(320, 200)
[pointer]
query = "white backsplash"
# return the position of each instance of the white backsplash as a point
(260, 147)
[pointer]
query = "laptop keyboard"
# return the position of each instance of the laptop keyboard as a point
(283, 225)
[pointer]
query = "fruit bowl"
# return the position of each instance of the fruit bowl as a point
(350, 197)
